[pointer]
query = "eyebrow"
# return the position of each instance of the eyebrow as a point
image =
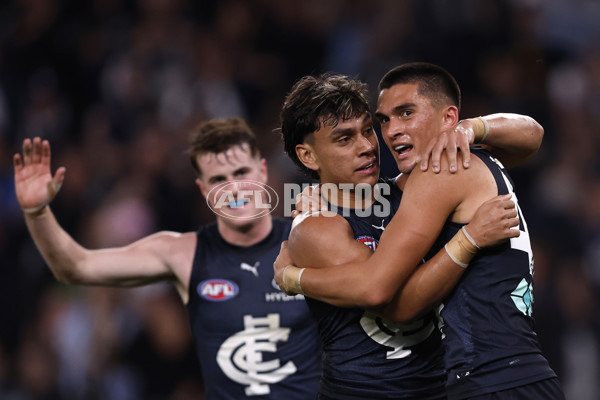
(239, 170)
(345, 131)
(395, 110)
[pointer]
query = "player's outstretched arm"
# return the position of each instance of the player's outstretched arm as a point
(139, 263)
(512, 138)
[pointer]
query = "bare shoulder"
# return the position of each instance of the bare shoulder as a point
(321, 241)
(169, 241)
(475, 172)
(449, 195)
(317, 223)
(463, 191)
(176, 249)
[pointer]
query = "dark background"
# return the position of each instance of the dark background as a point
(116, 86)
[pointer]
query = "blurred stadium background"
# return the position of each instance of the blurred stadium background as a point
(116, 85)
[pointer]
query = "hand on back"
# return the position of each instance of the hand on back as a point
(495, 221)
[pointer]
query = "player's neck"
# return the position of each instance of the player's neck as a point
(245, 234)
(401, 180)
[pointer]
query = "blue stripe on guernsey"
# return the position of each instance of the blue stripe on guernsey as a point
(367, 357)
(487, 319)
(260, 343)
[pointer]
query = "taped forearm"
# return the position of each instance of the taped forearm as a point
(462, 248)
(481, 129)
(291, 280)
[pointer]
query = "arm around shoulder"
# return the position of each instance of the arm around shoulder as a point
(512, 138)
(322, 241)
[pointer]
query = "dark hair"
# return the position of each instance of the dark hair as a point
(315, 101)
(219, 135)
(434, 82)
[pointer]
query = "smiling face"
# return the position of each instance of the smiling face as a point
(229, 181)
(345, 153)
(409, 120)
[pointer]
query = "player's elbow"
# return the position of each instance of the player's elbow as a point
(375, 298)
(406, 314)
(68, 277)
(533, 133)
(68, 272)
(537, 134)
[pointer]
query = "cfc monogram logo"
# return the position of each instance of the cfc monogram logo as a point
(241, 355)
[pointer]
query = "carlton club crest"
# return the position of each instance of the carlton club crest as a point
(241, 355)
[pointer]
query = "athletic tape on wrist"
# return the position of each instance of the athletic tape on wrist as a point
(486, 129)
(460, 249)
(456, 260)
(283, 278)
(299, 281)
(469, 238)
(291, 279)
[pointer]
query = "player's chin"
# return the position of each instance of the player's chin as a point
(371, 180)
(406, 166)
(241, 223)
(363, 177)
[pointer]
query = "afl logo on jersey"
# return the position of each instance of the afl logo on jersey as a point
(217, 289)
(369, 241)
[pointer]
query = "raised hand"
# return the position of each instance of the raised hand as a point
(34, 184)
(494, 221)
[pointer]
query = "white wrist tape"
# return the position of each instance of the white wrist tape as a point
(456, 260)
(469, 238)
(486, 129)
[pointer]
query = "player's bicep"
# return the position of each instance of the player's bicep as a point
(321, 241)
(426, 204)
(139, 263)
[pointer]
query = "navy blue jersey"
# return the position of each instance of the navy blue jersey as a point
(487, 325)
(367, 357)
(253, 340)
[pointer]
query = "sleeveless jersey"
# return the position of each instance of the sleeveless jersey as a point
(367, 357)
(487, 324)
(253, 341)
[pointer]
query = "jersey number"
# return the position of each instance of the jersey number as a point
(400, 337)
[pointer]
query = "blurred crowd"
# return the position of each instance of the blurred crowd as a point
(116, 85)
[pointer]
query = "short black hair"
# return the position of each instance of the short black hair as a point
(434, 82)
(319, 100)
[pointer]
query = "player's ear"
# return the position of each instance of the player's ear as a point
(263, 169)
(450, 117)
(307, 156)
(201, 186)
